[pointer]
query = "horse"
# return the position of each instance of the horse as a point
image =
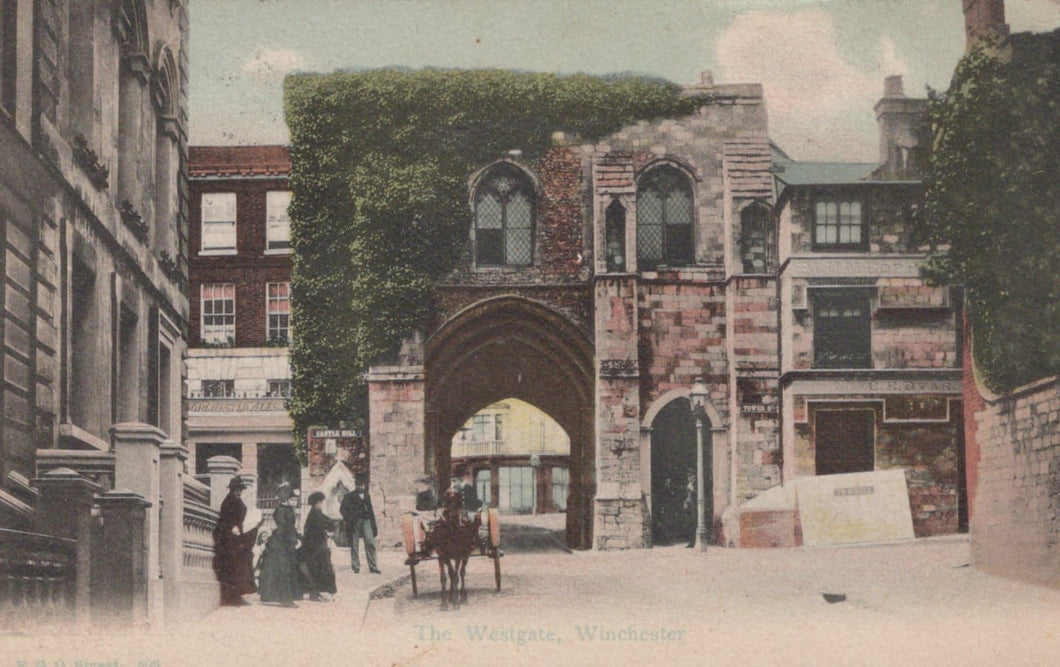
(453, 538)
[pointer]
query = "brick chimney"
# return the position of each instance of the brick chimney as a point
(982, 18)
(903, 125)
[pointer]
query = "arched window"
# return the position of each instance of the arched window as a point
(664, 218)
(757, 241)
(504, 218)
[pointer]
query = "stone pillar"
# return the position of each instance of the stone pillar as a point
(119, 568)
(137, 468)
(619, 513)
(171, 524)
(64, 509)
(221, 470)
(397, 444)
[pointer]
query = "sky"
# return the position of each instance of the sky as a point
(821, 62)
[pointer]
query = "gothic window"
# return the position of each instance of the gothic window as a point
(757, 239)
(842, 329)
(504, 218)
(615, 237)
(839, 225)
(664, 219)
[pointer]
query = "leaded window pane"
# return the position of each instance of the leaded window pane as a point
(519, 211)
(520, 246)
(489, 212)
(664, 218)
(504, 219)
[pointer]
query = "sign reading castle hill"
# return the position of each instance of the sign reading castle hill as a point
(328, 445)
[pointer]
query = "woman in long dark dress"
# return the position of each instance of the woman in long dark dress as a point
(314, 556)
(279, 562)
(233, 559)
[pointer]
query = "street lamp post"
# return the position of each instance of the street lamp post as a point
(698, 399)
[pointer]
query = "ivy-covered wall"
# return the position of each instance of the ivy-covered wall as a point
(380, 168)
(991, 204)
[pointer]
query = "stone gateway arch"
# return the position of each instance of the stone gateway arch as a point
(601, 280)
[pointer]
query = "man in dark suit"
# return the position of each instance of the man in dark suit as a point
(468, 492)
(357, 513)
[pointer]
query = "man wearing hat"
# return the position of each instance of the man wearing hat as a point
(233, 559)
(356, 510)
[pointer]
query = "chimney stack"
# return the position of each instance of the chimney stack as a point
(983, 18)
(902, 121)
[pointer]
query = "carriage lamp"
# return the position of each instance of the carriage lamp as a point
(698, 399)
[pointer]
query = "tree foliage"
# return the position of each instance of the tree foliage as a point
(992, 203)
(381, 161)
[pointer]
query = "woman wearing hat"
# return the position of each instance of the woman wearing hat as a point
(314, 556)
(279, 562)
(233, 558)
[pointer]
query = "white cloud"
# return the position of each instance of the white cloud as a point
(819, 105)
(270, 66)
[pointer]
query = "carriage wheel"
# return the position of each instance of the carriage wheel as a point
(496, 555)
(494, 519)
(408, 536)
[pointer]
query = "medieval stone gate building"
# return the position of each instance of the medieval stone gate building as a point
(605, 278)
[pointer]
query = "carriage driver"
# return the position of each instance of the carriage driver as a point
(468, 493)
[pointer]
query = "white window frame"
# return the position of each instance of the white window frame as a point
(218, 210)
(223, 329)
(277, 222)
(268, 313)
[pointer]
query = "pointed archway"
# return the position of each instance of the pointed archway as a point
(514, 347)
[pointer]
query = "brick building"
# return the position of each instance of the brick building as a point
(239, 323)
(93, 215)
(605, 278)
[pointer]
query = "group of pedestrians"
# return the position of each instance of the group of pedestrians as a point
(291, 565)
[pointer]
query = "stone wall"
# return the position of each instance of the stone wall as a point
(396, 447)
(1016, 520)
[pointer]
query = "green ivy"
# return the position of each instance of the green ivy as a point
(380, 168)
(993, 197)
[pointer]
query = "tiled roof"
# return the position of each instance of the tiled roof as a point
(233, 161)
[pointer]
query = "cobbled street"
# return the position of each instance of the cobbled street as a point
(904, 604)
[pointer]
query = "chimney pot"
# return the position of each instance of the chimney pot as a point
(892, 86)
(706, 78)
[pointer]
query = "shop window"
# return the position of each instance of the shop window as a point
(504, 218)
(560, 488)
(516, 488)
(279, 388)
(842, 329)
(204, 451)
(664, 219)
(484, 486)
(844, 441)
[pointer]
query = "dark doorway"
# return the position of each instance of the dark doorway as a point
(845, 441)
(277, 463)
(673, 466)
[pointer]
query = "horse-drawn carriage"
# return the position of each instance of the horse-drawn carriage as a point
(452, 539)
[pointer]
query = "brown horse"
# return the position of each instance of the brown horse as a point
(452, 538)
